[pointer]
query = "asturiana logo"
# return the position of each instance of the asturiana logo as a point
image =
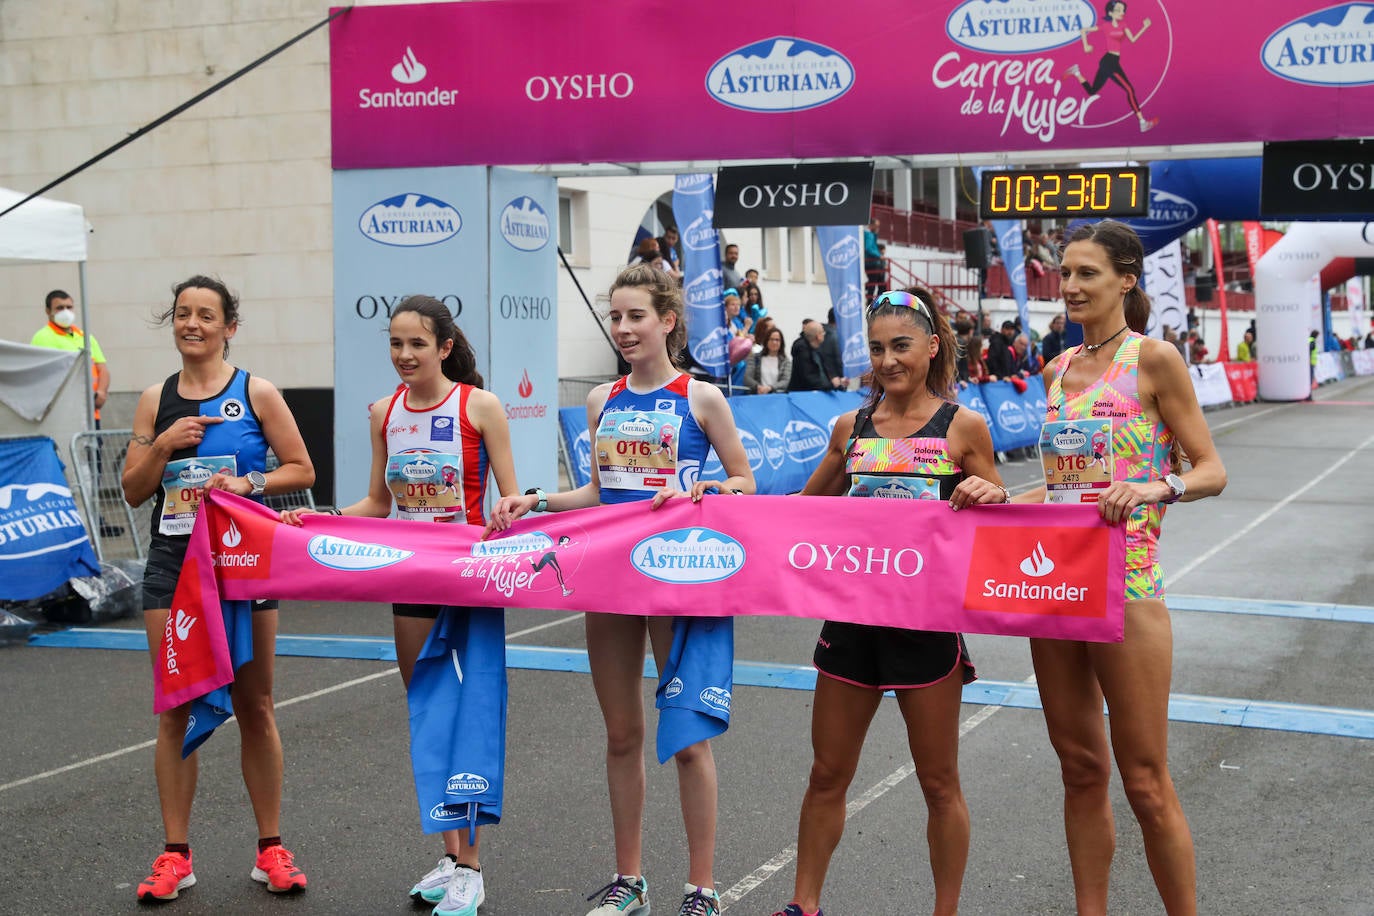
(637, 427)
(1169, 211)
(530, 542)
(351, 556)
(688, 556)
(780, 74)
(445, 812)
(693, 184)
(1069, 440)
(419, 470)
(710, 351)
(855, 350)
(525, 224)
(716, 698)
(1331, 47)
(1018, 26)
(851, 302)
(1038, 564)
(753, 449)
(700, 234)
(774, 448)
(194, 474)
(893, 489)
(466, 784)
(704, 290)
(1010, 417)
(410, 221)
(673, 688)
(843, 253)
(805, 440)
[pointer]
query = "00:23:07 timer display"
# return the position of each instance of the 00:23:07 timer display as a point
(1065, 192)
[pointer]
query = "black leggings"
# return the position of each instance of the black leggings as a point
(1109, 68)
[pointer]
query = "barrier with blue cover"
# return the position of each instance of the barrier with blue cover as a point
(43, 540)
(785, 435)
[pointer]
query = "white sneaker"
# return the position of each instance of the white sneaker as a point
(464, 894)
(624, 896)
(699, 901)
(431, 887)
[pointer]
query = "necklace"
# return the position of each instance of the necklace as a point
(1093, 348)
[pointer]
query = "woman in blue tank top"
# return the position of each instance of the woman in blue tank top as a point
(209, 427)
(910, 441)
(636, 458)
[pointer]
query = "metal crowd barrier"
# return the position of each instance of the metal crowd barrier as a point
(118, 530)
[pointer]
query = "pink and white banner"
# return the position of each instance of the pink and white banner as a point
(1049, 571)
(536, 81)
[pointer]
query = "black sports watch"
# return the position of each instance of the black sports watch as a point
(543, 504)
(258, 481)
(1176, 489)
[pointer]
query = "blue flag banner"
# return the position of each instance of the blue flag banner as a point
(577, 443)
(842, 252)
(43, 541)
(694, 203)
(214, 709)
(457, 700)
(1012, 426)
(972, 398)
(1009, 242)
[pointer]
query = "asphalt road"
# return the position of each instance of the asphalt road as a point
(1269, 699)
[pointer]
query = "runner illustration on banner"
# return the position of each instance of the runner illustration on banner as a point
(1109, 67)
(550, 558)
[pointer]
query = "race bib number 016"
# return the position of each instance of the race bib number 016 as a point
(426, 484)
(1077, 456)
(637, 450)
(183, 482)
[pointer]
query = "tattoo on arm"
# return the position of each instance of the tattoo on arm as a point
(141, 440)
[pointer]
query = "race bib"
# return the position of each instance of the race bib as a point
(637, 449)
(894, 487)
(183, 483)
(426, 485)
(1077, 457)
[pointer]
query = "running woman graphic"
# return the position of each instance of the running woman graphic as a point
(665, 441)
(550, 558)
(449, 475)
(1100, 449)
(1109, 67)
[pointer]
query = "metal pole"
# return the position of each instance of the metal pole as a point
(86, 348)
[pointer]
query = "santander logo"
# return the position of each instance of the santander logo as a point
(409, 69)
(1038, 564)
(232, 537)
(526, 387)
(184, 623)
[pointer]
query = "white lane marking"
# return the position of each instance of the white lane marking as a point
(544, 626)
(1266, 515)
(758, 876)
(1251, 416)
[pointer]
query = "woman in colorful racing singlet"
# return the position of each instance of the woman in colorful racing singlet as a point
(439, 427)
(909, 441)
(1109, 67)
(628, 416)
(1138, 390)
(209, 427)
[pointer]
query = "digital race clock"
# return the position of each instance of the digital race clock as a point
(1069, 193)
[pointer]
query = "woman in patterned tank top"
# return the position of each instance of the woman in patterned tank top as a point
(1141, 387)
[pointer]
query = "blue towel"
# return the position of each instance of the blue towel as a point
(694, 687)
(214, 709)
(457, 702)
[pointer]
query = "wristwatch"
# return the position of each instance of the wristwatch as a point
(258, 481)
(543, 504)
(1176, 489)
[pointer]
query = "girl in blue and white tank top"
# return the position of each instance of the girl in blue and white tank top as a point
(209, 427)
(654, 428)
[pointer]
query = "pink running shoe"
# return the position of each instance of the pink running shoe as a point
(171, 875)
(277, 869)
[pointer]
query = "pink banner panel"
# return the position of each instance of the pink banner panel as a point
(537, 81)
(1019, 570)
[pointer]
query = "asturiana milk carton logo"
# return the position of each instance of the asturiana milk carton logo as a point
(1170, 211)
(525, 224)
(703, 292)
(353, 556)
(195, 474)
(637, 427)
(466, 784)
(780, 74)
(673, 688)
(1018, 26)
(855, 349)
(1070, 439)
(513, 545)
(717, 698)
(710, 351)
(851, 301)
(688, 556)
(1331, 47)
(843, 253)
(410, 221)
(774, 448)
(419, 469)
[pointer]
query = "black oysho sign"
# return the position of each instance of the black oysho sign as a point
(806, 194)
(1317, 178)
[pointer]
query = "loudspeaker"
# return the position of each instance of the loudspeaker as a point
(1205, 286)
(977, 247)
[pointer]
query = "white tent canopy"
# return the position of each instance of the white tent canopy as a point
(41, 230)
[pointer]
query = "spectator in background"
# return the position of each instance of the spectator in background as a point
(975, 369)
(1171, 336)
(1027, 359)
(1001, 358)
(832, 355)
(667, 246)
(741, 340)
(808, 369)
(770, 369)
(729, 271)
(1369, 338)
(646, 252)
(753, 301)
(1197, 348)
(61, 333)
(1052, 344)
(875, 266)
(963, 329)
(1245, 350)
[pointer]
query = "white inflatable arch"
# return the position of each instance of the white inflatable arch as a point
(1283, 311)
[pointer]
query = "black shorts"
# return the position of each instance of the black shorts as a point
(429, 611)
(165, 556)
(888, 658)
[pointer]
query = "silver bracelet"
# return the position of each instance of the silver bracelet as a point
(1006, 494)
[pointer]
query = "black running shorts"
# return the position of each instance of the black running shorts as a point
(165, 556)
(887, 658)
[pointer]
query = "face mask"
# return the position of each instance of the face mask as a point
(63, 318)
